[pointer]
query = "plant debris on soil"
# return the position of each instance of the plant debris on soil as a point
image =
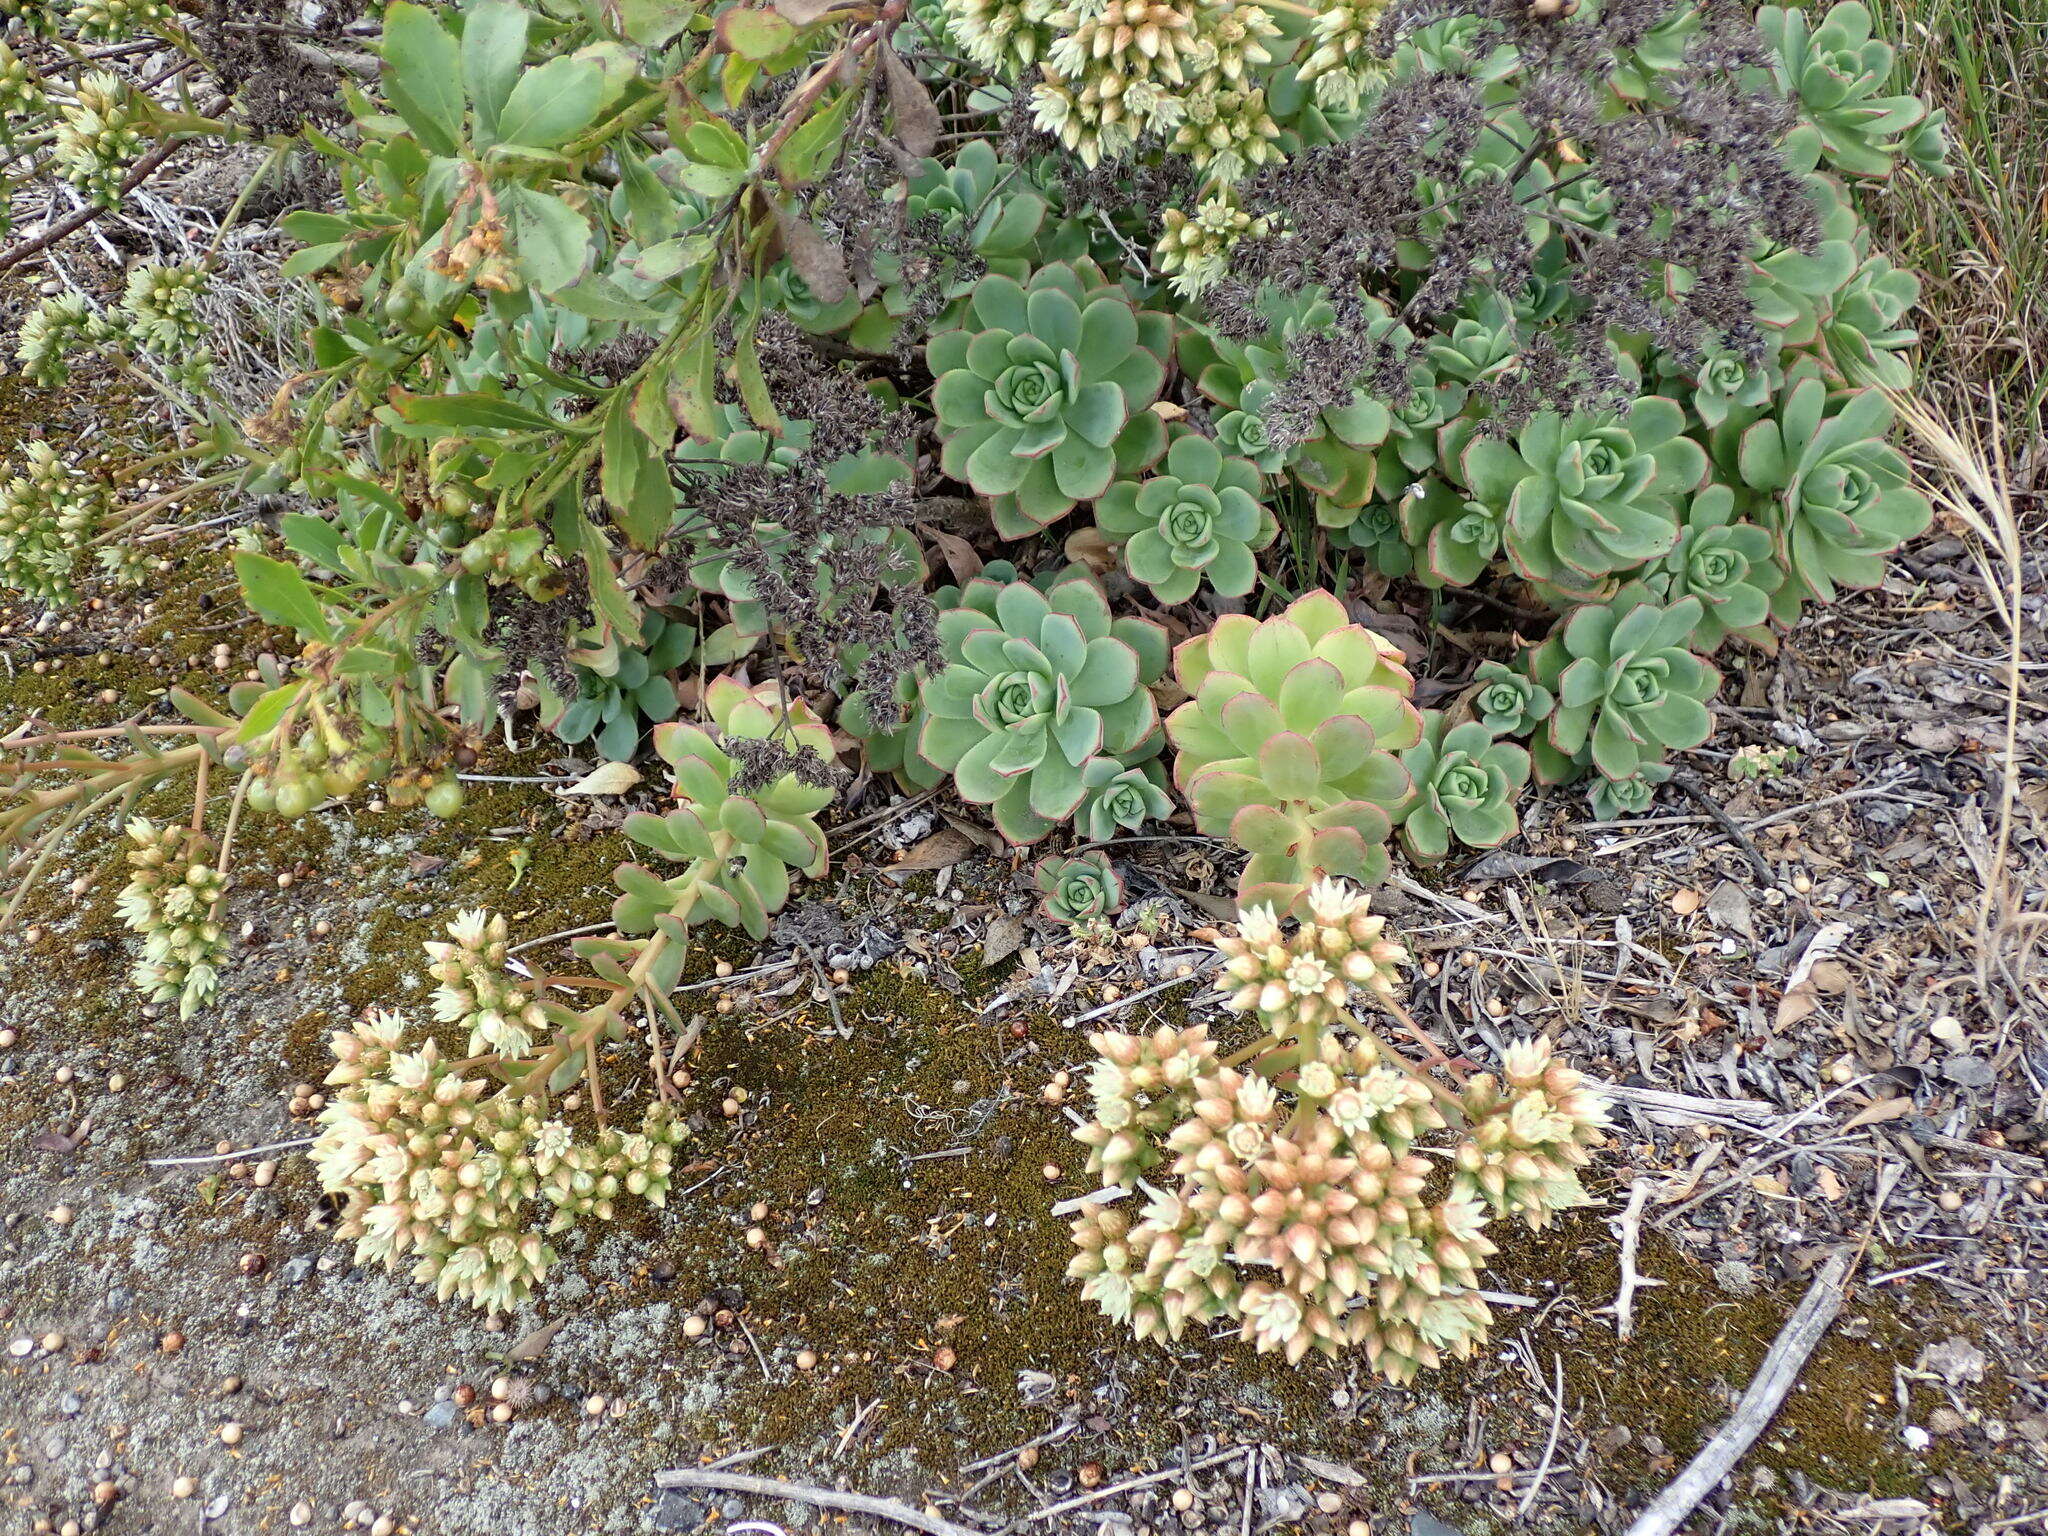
(1818, 997)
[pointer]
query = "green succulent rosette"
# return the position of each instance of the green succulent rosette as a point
(1199, 519)
(1840, 78)
(1629, 689)
(1037, 685)
(1613, 799)
(1585, 496)
(1082, 889)
(622, 689)
(1838, 497)
(1121, 796)
(1035, 387)
(1457, 536)
(1731, 566)
(1465, 788)
(1508, 703)
(1288, 745)
(1336, 456)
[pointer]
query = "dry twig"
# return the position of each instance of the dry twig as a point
(821, 1498)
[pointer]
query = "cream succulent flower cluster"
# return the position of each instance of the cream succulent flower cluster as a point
(433, 1168)
(169, 901)
(477, 991)
(1283, 1186)
(98, 134)
(1341, 63)
(1532, 1128)
(49, 514)
(1304, 981)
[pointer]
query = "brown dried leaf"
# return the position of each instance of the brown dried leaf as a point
(961, 557)
(817, 260)
(942, 850)
(917, 117)
(1879, 1110)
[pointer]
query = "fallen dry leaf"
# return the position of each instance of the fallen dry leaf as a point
(942, 850)
(606, 779)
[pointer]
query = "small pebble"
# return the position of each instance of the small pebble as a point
(693, 1327)
(1501, 1461)
(231, 1433)
(184, 1487)
(593, 1405)
(302, 1513)
(806, 1359)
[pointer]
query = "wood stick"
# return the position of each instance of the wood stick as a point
(1788, 1353)
(821, 1498)
(1631, 1278)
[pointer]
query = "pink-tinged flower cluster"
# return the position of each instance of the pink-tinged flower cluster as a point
(1532, 1129)
(1304, 981)
(1283, 1187)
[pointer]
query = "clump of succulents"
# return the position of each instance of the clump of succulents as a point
(1035, 388)
(170, 901)
(1080, 892)
(747, 801)
(49, 514)
(1197, 521)
(1285, 1186)
(1466, 783)
(433, 1167)
(1730, 565)
(1288, 745)
(1037, 686)
(1629, 690)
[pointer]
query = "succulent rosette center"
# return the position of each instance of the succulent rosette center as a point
(1461, 784)
(1641, 682)
(1032, 390)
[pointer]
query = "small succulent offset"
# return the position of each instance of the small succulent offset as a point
(622, 689)
(1122, 797)
(1286, 1187)
(1628, 689)
(432, 1167)
(1506, 702)
(1465, 787)
(170, 901)
(1037, 686)
(1035, 387)
(738, 831)
(1287, 745)
(1080, 892)
(1612, 799)
(1198, 520)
